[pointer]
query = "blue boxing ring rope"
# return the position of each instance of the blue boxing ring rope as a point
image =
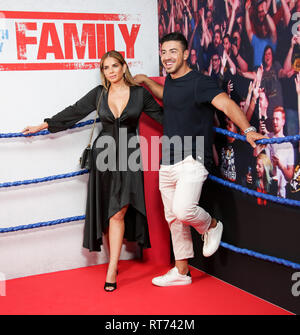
(225, 183)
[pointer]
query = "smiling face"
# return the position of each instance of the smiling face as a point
(226, 44)
(216, 62)
(268, 57)
(278, 122)
(217, 39)
(173, 57)
(113, 70)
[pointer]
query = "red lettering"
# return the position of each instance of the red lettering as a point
(88, 34)
(110, 37)
(22, 39)
(91, 41)
(129, 39)
(100, 40)
(49, 29)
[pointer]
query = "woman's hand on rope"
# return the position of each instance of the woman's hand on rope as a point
(34, 129)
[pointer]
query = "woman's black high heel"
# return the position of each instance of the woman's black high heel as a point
(113, 285)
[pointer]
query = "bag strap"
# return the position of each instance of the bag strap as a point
(97, 114)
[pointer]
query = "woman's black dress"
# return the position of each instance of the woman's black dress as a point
(111, 189)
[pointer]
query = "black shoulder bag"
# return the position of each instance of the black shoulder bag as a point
(86, 158)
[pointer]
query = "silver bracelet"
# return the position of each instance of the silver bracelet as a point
(246, 131)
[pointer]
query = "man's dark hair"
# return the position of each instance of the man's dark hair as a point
(264, 53)
(227, 36)
(175, 37)
(260, 2)
(215, 53)
(218, 31)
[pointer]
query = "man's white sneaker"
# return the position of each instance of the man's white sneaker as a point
(172, 278)
(212, 239)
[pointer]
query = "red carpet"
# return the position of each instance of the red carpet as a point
(80, 292)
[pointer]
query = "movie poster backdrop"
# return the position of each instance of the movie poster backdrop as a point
(252, 49)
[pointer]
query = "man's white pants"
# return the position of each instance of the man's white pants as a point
(180, 186)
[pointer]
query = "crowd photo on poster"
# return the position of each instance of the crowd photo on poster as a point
(252, 49)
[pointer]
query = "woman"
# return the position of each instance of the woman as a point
(270, 79)
(115, 202)
(264, 182)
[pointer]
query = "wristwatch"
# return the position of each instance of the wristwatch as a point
(246, 131)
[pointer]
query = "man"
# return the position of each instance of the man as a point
(187, 96)
(281, 155)
(272, 72)
(292, 69)
(216, 46)
(238, 52)
(215, 68)
(228, 60)
(217, 42)
(193, 62)
(268, 34)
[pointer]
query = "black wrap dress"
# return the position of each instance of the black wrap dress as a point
(113, 186)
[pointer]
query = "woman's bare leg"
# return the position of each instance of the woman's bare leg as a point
(115, 237)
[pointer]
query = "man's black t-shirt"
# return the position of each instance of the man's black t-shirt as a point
(188, 116)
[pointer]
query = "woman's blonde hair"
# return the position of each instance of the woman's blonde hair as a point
(127, 75)
(268, 167)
